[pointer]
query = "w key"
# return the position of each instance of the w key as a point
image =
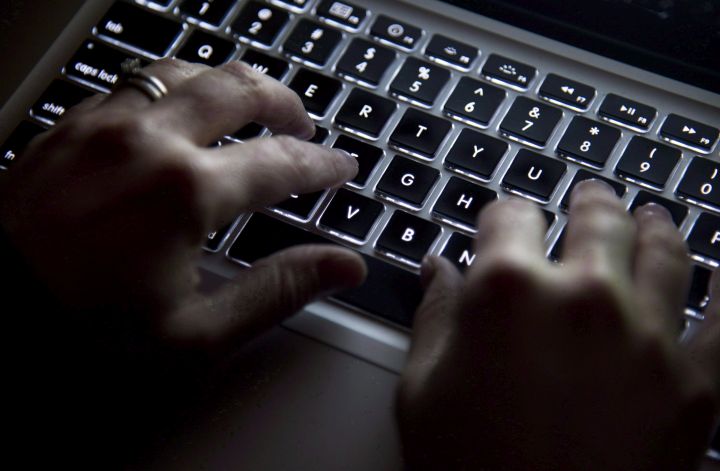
(420, 134)
(530, 122)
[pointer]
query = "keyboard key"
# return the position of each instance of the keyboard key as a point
(677, 210)
(461, 201)
(365, 113)
(699, 288)
(365, 62)
(205, 48)
(407, 237)
(700, 184)
(419, 82)
(212, 13)
(508, 72)
(342, 13)
(260, 23)
(214, 240)
(351, 214)
(367, 157)
(530, 121)
(450, 52)
(646, 161)
(420, 133)
(557, 248)
(16, 143)
(588, 142)
(626, 112)
(565, 92)
(407, 182)
(704, 238)
(247, 132)
(263, 236)
(474, 102)
(686, 132)
(139, 29)
(316, 91)
(268, 65)
(312, 42)
(295, 5)
(396, 33)
(533, 175)
(59, 97)
(459, 250)
(300, 206)
(475, 154)
(97, 64)
(582, 175)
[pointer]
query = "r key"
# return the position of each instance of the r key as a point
(365, 114)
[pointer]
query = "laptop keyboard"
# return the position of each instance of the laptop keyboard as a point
(415, 108)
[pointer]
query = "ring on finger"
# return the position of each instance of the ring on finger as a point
(134, 76)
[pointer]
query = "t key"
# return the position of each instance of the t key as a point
(701, 183)
(419, 134)
(419, 82)
(530, 122)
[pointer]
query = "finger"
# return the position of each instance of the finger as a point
(86, 105)
(171, 72)
(600, 233)
(223, 100)
(662, 267)
(704, 348)
(512, 229)
(264, 295)
(265, 171)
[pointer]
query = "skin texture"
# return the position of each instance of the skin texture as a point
(527, 365)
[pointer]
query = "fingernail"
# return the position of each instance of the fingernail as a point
(652, 211)
(309, 134)
(427, 271)
(593, 184)
(345, 154)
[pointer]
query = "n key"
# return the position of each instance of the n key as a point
(419, 134)
(701, 183)
(459, 250)
(352, 215)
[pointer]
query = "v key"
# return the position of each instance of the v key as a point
(351, 215)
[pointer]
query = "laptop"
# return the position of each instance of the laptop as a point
(546, 93)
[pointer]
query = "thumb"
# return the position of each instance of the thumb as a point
(259, 298)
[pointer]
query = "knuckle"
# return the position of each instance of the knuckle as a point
(596, 302)
(121, 135)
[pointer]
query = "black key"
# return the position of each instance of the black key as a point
(582, 175)
(59, 97)
(214, 240)
(476, 154)
(589, 142)
(365, 62)
(249, 131)
(700, 184)
(205, 48)
(300, 206)
(260, 23)
(677, 210)
(549, 218)
(17, 141)
(420, 133)
(268, 65)
(626, 112)
(533, 175)
(646, 161)
(530, 121)
(312, 42)
(367, 157)
(566, 92)
(396, 33)
(378, 295)
(139, 29)
(408, 237)
(689, 133)
(96, 64)
(450, 52)
(461, 201)
(557, 248)
(316, 91)
(508, 72)
(474, 102)
(459, 250)
(698, 296)
(704, 238)
(407, 181)
(209, 12)
(351, 214)
(365, 113)
(321, 135)
(295, 5)
(342, 13)
(419, 82)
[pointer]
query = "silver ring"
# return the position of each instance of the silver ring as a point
(150, 85)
